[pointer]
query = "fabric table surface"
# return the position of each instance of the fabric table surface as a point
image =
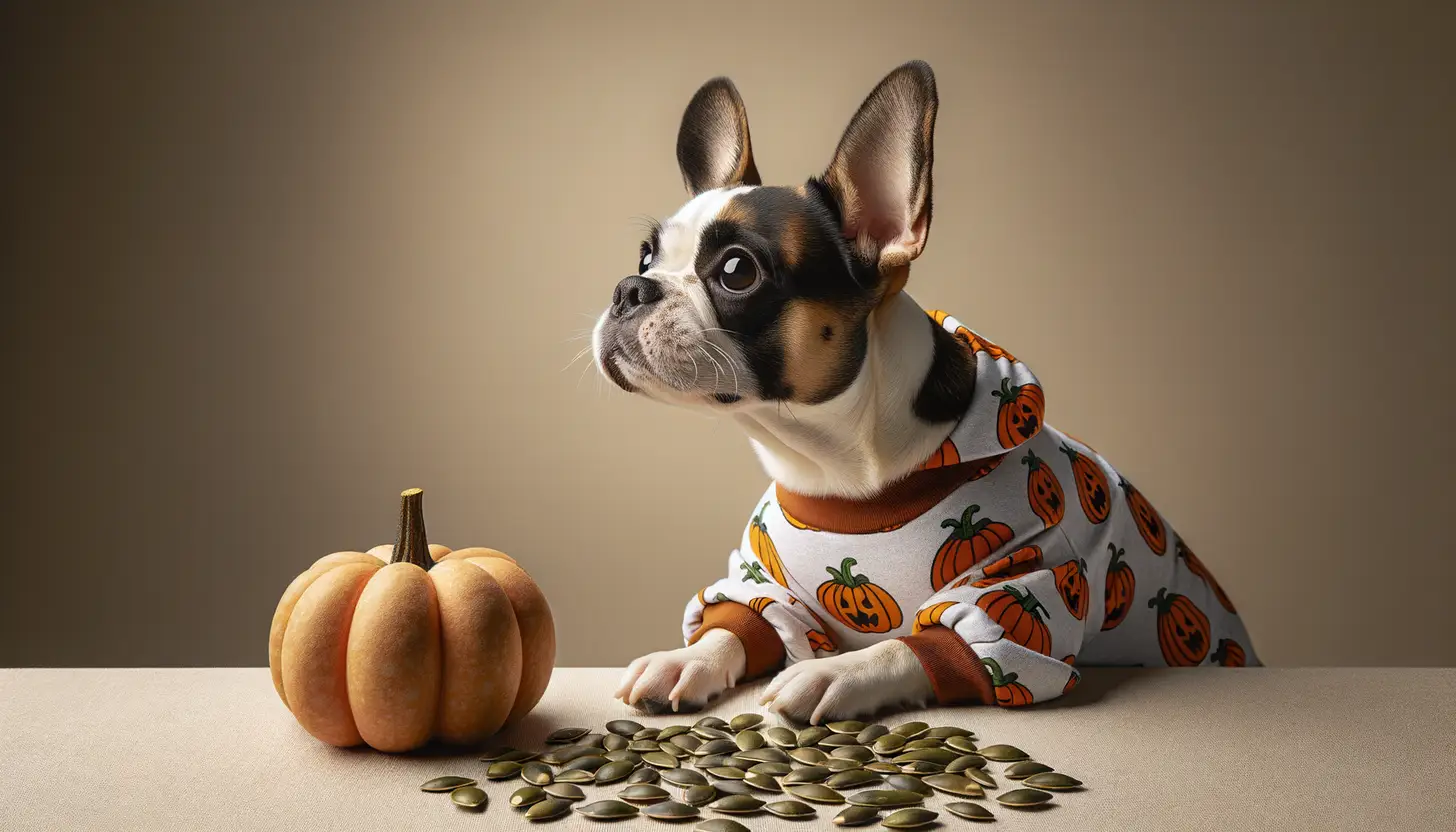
(164, 749)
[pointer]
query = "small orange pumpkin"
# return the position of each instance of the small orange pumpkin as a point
(1229, 653)
(1018, 563)
(1121, 584)
(1196, 567)
(1183, 632)
(857, 602)
(1093, 492)
(968, 544)
(1043, 490)
(764, 549)
(1009, 692)
(1019, 417)
(1020, 614)
(1149, 524)
(930, 616)
(1072, 586)
(945, 455)
(760, 604)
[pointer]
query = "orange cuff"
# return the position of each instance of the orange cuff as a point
(761, 643)
(956, 674)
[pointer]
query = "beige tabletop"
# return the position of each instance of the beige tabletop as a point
(1318, 749)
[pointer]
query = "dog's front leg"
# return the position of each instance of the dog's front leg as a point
(849, 685)
(688, 677)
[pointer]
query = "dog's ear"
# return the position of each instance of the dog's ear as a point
(713, 149)
(880, 175)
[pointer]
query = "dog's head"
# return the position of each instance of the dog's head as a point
(752, 293)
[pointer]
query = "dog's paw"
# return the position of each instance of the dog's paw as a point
(684, 679)
(849, 685)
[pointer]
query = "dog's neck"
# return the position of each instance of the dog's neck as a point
(868, 436)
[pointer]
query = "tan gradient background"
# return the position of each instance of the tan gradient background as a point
(266, 267)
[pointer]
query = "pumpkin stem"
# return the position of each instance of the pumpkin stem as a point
(997, 680)
(1031, 461)
(1071, 453)
(845, 574)
(758, 518)
(1163, 600)
(410, 545)
(1007, 392)
(964, 528)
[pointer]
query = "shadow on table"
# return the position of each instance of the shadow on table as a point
(1097, 684)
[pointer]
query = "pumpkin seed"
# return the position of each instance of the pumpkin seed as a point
(644, 746)
(562, 756)
(781, 737)
(718, 746)
(969, 811)
(624, 727)
(710, 722)
(808, 756)
(1022, 798)
(495, 752)
(854, 779)
(838, 741)
(614, 772)
(763, 782)
(708, 732)
(790, 809)
(527, 796)
(807, 774)
(846, 726)
(648, 733)
(731, 787)
(577, 775)
(962, 744)
(657, 759)
(913, 818)
(502, 770)
(887, 798)
(737, 804)
(910, 730)
(728, 773)
(1053, 781)
(961, 764)
(623, 754)
(684, 777)
(907, 783)
(1004, 753)
(536, 772)
(955, 784)
(871, 733)
(945, 732)
(615, 742)
(857, 816)
(671, 810)
(942, 756)
(1024, 769)
(816, 793)
(858, 753)
(446, 784)
(916, 745)
(608, 810)
(720, 825)
(882, 767)
(743, 722)
(565, 791)
(673, 731)
(981, 776)
(518, 756)
(700, 795)
(772, 769)
(712, 761)
(644, 793)
(749, 740)
(549, 809)
(646, 775)
(562, 736)
(675, 750)
(921, 767)
(812, 735)
(765, 755)
(687, 742)
(889, 744)
(838, 764)
(589, 763)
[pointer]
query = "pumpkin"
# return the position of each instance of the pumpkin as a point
(1229, 653)
(1009, 692)
(967, 545)
(979, 344)
(945, 455)
(1071, 580)
(1020, 614)
(1121, 583)
(819, 639)
(764, 549)
(1196, 567)
(1019, 416)
(856, 601)
(1149, 524)
(760, 604)
(1093, 492)
(1018, 563)
(1043, 490)
(930, 616)
(1182, 629)
(395, 654)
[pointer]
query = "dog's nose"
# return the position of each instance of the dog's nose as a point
(633, 293)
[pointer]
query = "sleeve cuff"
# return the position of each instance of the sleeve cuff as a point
(761, 643)
(956, 674)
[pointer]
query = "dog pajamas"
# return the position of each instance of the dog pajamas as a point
(1011, 556)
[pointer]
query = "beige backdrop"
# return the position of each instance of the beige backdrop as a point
(265, 268)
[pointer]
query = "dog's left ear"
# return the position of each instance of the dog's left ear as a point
(880, 175)
(713, 149)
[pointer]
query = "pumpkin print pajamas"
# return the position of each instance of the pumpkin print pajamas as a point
(1014, 554)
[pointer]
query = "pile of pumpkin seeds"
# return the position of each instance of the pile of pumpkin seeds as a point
(721, 772)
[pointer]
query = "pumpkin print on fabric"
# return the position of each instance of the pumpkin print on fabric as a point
(764, 549)
(1009, 692)
(857, 602)
(752, 572)
(975, 342)
(1043, 490)
(760, 604)
(1121, 584)
(930, 616)
(1018, 563)
(1196, 567)
(1072, 679)
(1093, 492)
(970, 542)
(1072, 586)
(945, 455)
(1149, 524)
(1182, 629)
(1021, 615)
(1229, 653)
(1019, 417)
(818, 639)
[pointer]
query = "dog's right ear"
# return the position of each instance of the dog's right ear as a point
(713, 149)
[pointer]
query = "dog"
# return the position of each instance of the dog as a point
(919, 542)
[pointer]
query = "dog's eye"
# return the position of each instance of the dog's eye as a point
(738, 274)
(644, 260)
